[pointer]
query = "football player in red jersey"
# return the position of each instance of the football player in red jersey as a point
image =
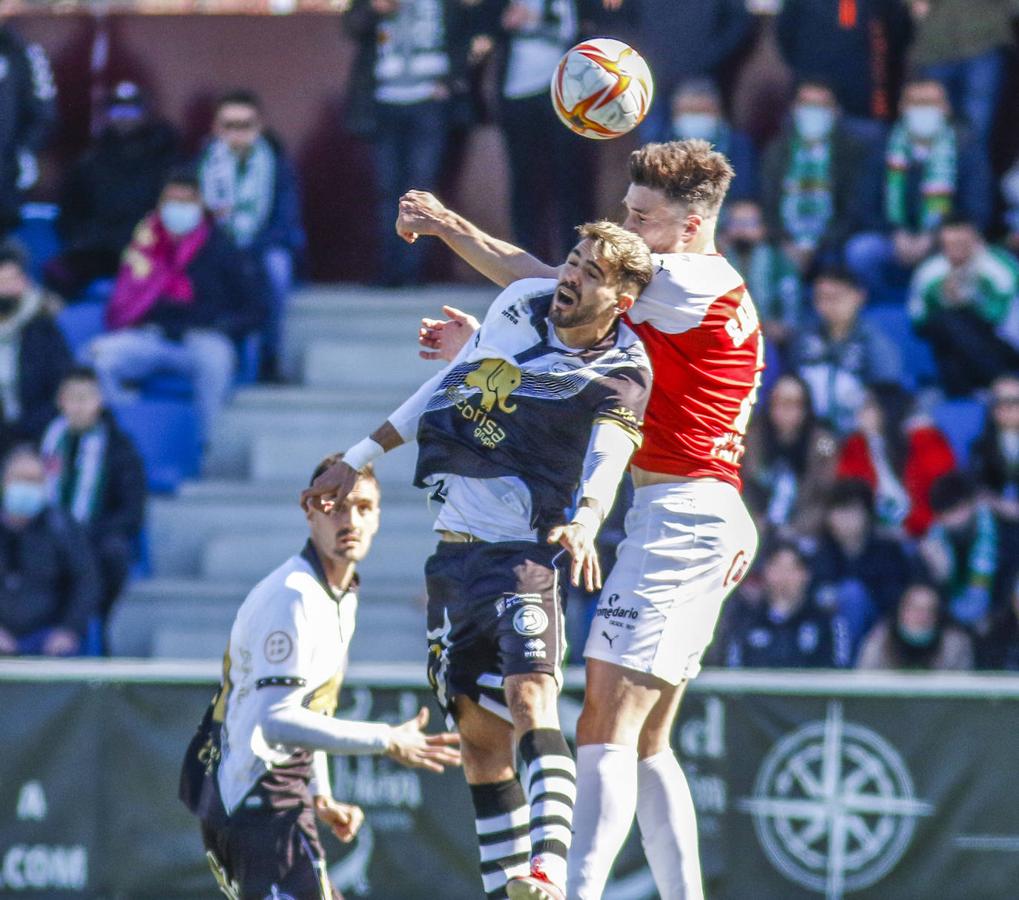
(689, 539)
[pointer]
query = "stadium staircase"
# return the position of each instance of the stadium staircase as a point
(350, 358)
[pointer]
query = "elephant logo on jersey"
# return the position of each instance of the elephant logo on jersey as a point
(496, 379)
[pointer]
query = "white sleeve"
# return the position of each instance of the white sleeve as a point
(321, 783)
(288, 723)
(608, 451)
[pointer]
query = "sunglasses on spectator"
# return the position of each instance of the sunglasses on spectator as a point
(237, 124)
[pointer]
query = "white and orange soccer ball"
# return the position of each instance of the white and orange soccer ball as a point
(602, 88)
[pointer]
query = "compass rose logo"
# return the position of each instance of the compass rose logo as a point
(834, 806)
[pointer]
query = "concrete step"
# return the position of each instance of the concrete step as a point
(353, 367)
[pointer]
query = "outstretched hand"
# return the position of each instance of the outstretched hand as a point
(578, 539)
(334, 484)
(410, 746)
(444, 340)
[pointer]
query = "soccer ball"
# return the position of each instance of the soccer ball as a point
(601, 89)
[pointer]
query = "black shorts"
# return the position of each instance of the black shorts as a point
(262, 853)
(493, 610)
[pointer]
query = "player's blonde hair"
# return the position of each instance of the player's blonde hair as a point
(623, 250)
(690, 172)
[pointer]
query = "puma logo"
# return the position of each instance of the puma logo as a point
(496, 379)
(605, 635)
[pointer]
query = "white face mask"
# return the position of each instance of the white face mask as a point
(180, 217)
(924, 121)
(813, 123)
(692, 125)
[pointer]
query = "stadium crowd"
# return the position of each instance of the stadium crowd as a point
(877, 228)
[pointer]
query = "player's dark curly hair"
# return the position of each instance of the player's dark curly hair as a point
(688, 172)
(367, 471)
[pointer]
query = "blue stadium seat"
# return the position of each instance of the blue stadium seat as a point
(38, 233)
(166, 434)
(919, 367)
(167, 387)
(962, 421)
(80, 323)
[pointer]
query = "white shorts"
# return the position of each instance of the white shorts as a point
(687, 546)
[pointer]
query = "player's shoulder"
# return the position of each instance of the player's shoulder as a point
(701, 274)
(631, 349)
(286, 596)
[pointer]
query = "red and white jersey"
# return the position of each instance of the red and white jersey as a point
(702, 335)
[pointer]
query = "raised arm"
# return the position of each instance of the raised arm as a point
(499, 261)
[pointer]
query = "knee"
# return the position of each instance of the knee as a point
(653, 739)
(596, 724)
(532, 701)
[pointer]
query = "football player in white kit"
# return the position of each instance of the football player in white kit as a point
(689, 539)
(256, 773)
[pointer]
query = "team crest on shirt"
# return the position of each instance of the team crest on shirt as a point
(278, 647)
(496, 379)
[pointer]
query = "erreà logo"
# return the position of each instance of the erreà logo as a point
(496, 379)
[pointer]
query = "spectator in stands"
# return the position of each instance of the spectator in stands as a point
(843, 354)
(1009, 188)
(787, 629)
(1000, 648)
(408, 79)
(932, 169)
(697, 112)
(250, 186)
(49, 589)
(27, 115)
(995, 455)
(963, 300)
(683, 39)
(856, 46)
(790, 460)
(857, 572)
(962, 43)
(184, 295)
(771, 276)
(917, 635)
(115, 182)
(967, 551)
(33, 353)
(899, 452)
(811, 180)
(94, 473)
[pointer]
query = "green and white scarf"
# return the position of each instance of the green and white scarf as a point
(240, 191)
(807, 204)
(937, 180)
(76, 484)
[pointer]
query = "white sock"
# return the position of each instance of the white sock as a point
(668, 827)
(602, 817)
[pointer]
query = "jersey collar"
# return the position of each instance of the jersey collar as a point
(310, 555)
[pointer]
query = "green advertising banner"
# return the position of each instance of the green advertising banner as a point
(807, 785)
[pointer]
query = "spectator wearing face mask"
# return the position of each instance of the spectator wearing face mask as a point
(185, 294)
(771, 277)
(858, 572)
(917, 635)
(968, 551)
(789, 465)
(250, 185)
(109, 188)
(786, 629)
(899, 452)
(843, 354)
(963, 300)
(33, 353)
(811, 180)
(697, 113)
(49, 587)
(94, 473)
(932, 169)
(994, 458)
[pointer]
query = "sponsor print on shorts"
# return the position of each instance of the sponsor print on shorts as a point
(535, 648)
(614, 614)
(512, 601)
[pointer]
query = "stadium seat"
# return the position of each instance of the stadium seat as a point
(165, 386)
(38, 233)
(80, 323)
(962, 421)
(166, 434)
(919, 368)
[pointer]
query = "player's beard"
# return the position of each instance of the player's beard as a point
(571, 316)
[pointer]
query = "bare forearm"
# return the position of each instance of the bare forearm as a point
(499, 261)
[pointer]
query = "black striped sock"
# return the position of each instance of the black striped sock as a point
(502, 819)
(551, 778)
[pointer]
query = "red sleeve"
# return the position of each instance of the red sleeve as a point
(854, 461)
(930, 457)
